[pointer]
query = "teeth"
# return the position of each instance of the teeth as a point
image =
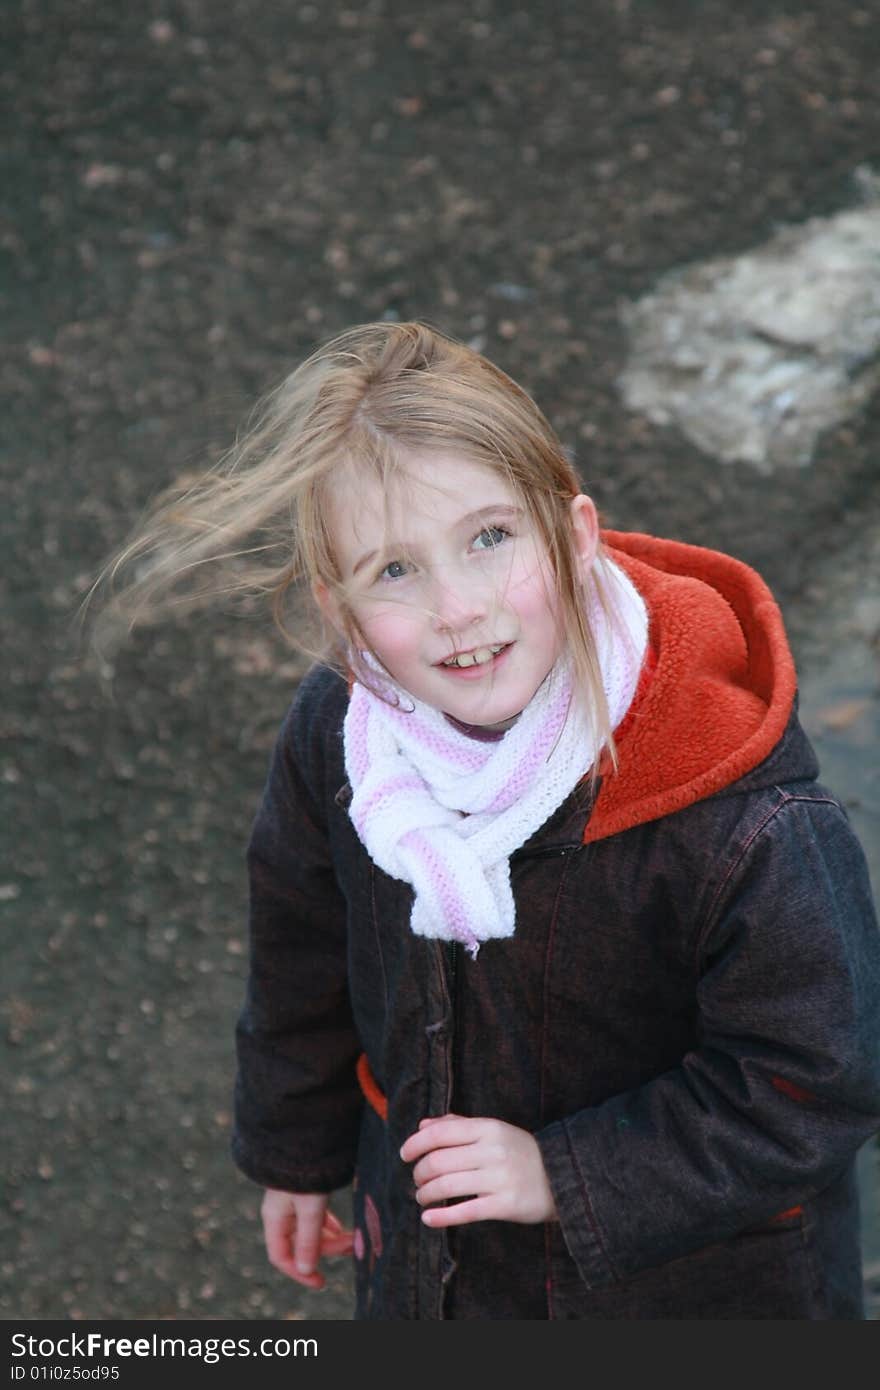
(477, 658)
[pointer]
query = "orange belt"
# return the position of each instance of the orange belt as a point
(367, 1083)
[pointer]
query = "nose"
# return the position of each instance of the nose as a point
(458, 601)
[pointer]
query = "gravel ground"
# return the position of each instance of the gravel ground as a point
(192, 195)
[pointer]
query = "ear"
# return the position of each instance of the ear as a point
(329, 605)
(585, 527)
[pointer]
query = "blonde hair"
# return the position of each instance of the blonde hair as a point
(258, 521)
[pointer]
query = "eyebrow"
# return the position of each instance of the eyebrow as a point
(502, 511)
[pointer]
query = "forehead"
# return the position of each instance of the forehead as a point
(430, 491)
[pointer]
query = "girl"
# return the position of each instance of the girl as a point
(558, 950)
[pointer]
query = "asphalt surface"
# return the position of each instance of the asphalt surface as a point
(192, 195)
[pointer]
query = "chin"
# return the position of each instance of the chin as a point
(495, 716)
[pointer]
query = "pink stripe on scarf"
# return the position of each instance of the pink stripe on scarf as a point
(456, 911)
(537, 753)
(467, 757)
(406, 782)
(358, 714)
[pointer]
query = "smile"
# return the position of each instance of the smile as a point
(478, 657)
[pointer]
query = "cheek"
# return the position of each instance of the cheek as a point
(532, 593)
(392, 633)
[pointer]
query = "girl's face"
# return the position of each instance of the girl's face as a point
(451, 587)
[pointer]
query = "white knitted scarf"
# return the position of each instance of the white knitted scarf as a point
(444, 811)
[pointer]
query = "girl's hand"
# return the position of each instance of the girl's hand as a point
(299, 1230)
(496, 1165)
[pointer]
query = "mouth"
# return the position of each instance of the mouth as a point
(478, 656)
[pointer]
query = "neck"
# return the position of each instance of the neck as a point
(484, 733)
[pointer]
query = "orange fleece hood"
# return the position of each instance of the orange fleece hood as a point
(721, 690)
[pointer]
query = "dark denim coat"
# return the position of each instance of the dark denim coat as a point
(687, 1018)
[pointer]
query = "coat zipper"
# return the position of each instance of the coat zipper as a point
(453, 1022)
(557, 851)
(449, 1243)
(454, 986)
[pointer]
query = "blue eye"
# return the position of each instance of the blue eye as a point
(490, 537)
(395, 569)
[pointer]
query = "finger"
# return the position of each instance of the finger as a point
(453, 1185)
(463, 1159)
(336, 1249)
(307, 1242)
(337, 1242)
(460, 1214)
(278, 1234)
(445, 1131)
(335, 1238)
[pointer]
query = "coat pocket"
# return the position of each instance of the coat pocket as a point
(767, 1272)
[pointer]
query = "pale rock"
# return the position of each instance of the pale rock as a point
(753, 356)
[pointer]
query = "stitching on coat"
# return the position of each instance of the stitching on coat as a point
(548, 1265)
(588, 1205)
(548, 954)
(551, 939)
(787, 798)
(377, 934)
